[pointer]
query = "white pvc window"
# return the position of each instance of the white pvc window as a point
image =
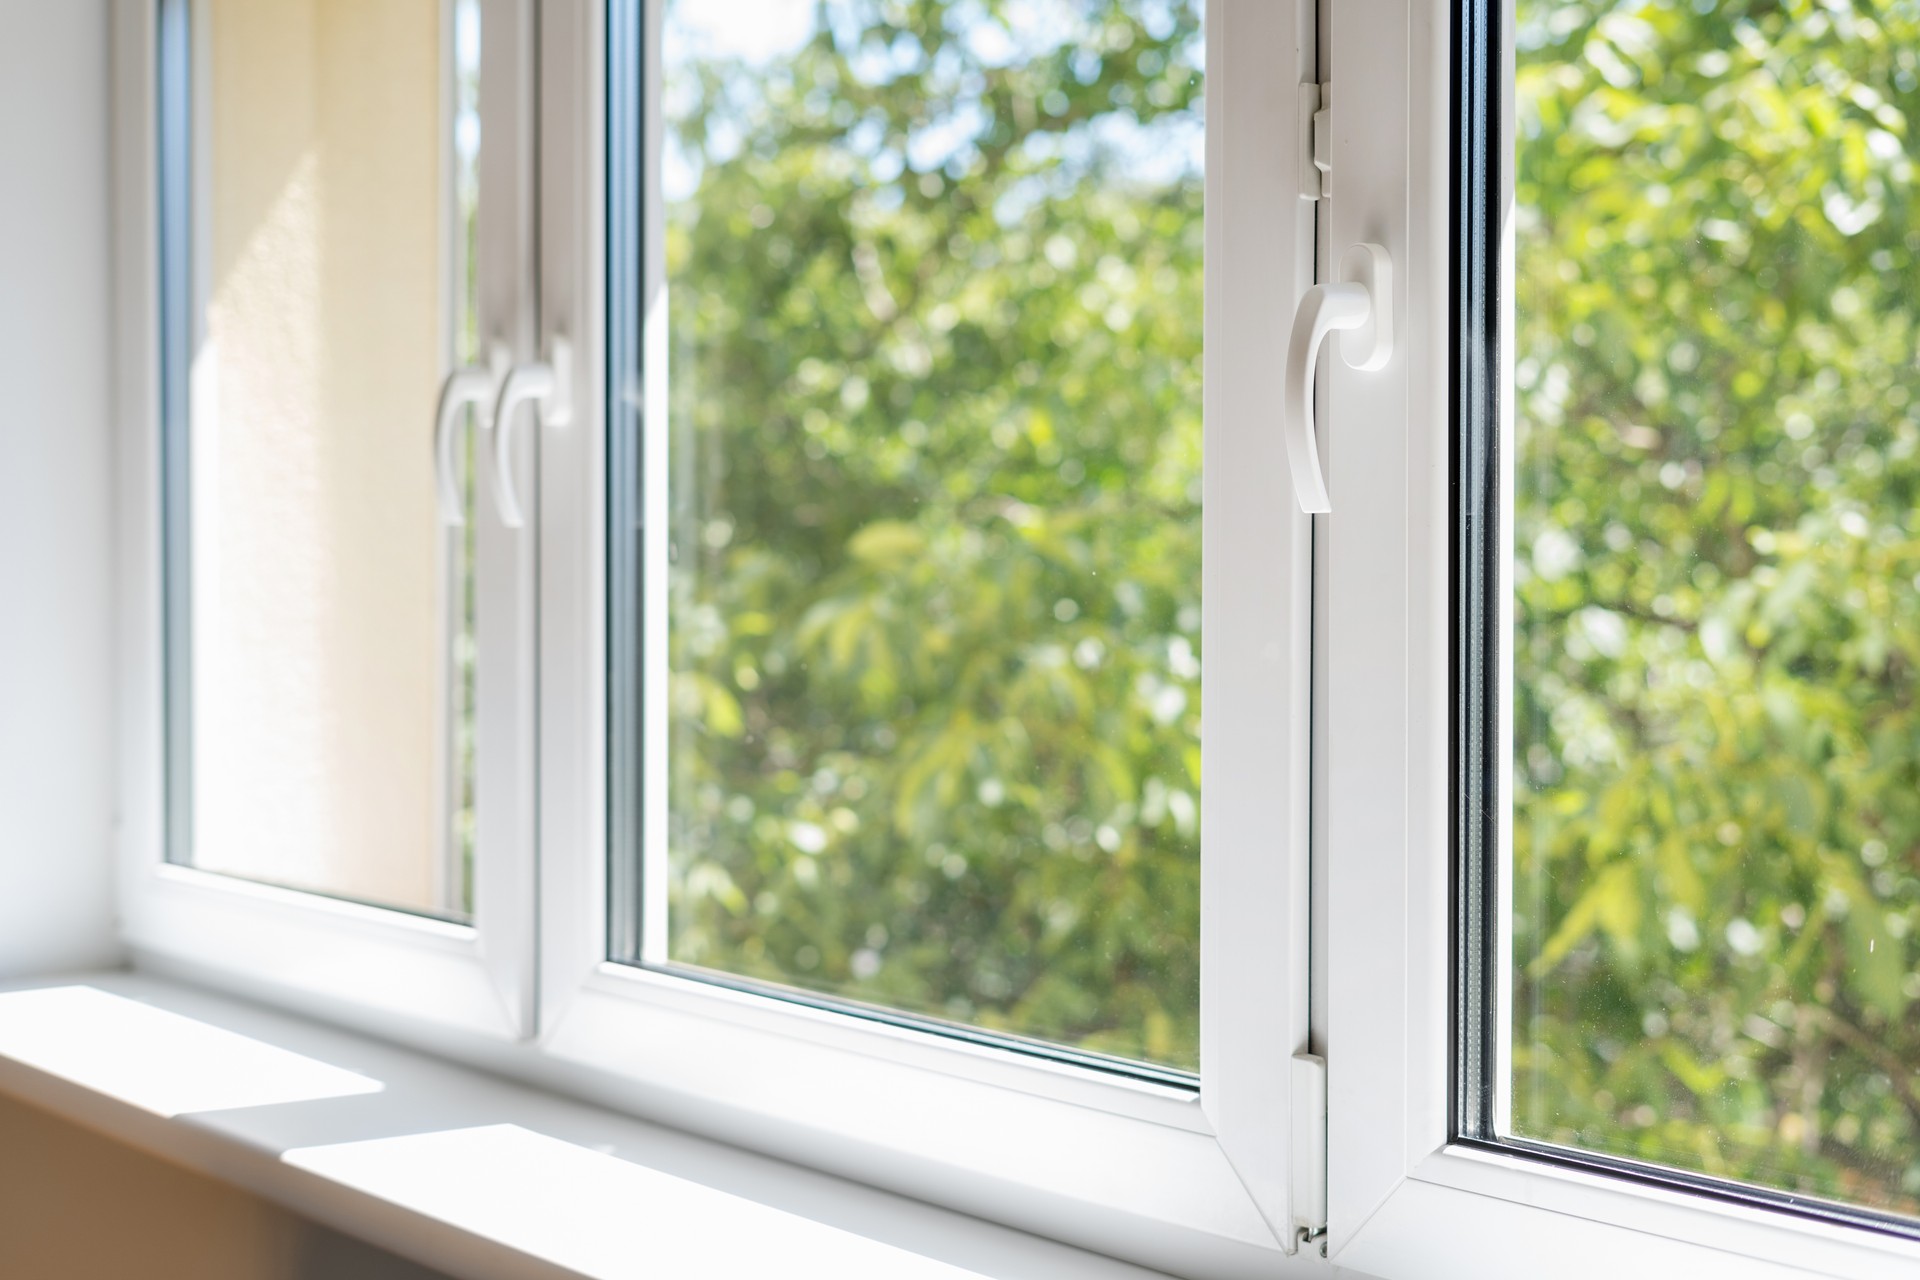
(1517, 174)
(580, 885)
(1705, 517)
(507, 454)
(796, 846)
(339, 651)
(702, 286)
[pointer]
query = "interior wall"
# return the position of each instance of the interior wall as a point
(56, 700)
(77, 1206)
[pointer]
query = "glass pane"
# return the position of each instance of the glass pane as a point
(462, 576)
(1716, 536)
(332, 194)
(934, 282)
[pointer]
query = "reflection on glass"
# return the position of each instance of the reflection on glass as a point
(326, 190)
(934, 282)
(1716, 536)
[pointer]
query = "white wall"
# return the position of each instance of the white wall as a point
(56, 676)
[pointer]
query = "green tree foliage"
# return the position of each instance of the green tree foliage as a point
(1717, 752)
(935, 300)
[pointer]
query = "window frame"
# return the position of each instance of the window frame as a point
(1053, 1148)
(303, 949)
(1194, 1181)
(1406, 1196)
(1198, 1182)
(1125, 1167)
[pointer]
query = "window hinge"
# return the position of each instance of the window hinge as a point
(1309, 1152)
(1316, 143)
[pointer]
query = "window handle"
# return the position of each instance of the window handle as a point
(1362, 302)
(549, 384)
(468, 385)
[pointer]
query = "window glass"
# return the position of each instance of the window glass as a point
(320, 618)
(932, 538)
(1716, 578)
(461, 574)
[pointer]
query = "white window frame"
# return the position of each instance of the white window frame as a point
(1404, 1199)
(1201, 1184)
(305, 949)
(1196, 1182)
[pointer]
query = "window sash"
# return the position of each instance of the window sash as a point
(304, 948)
(1484, 497)
(637, 498)
(1408, 1192)
(1196, 1182)
(963, 1122)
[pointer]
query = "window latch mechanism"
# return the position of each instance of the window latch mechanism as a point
(1316, 144)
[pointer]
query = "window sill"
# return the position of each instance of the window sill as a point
(459, 1171)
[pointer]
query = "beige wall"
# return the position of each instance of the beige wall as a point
(78, 1206)
(317, 613)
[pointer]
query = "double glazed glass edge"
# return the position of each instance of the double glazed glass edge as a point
(173, 178)
(625, 259)
(1476, 510)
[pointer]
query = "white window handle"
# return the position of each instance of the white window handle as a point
(1363, 302)
(468, 385)
(551, 385)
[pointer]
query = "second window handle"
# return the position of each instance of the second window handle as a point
(550, 385)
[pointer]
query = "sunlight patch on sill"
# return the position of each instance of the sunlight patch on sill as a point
(598, 1215)
(159, 1061)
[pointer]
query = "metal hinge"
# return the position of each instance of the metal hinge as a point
(1316, 143)
(1309, 1152)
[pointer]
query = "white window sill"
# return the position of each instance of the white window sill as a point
(463, 1172)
